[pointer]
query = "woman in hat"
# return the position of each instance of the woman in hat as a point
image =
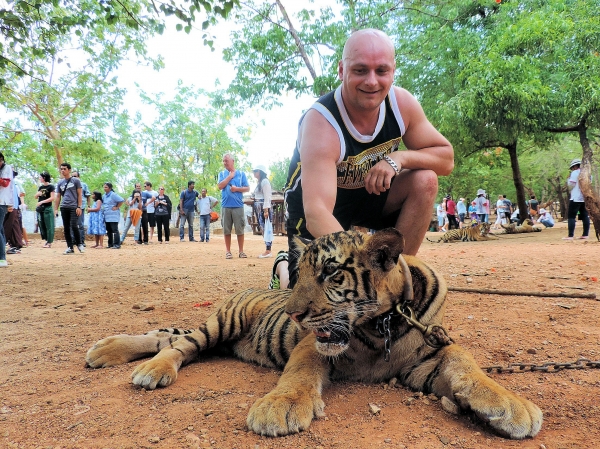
(576, 203)
(262, 203)
(481, 203)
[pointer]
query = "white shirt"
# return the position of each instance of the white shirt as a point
(7, 193)
(576, 194)
(546, 216)
(205, 204)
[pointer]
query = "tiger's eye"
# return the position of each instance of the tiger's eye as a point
(329, 268)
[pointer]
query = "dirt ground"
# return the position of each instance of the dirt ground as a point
(58, 306)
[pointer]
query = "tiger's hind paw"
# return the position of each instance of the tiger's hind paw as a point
(278, 414)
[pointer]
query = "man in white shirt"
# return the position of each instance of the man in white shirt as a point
(205, 204)
(576, 203)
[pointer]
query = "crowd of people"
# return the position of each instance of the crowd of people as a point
(146, 210)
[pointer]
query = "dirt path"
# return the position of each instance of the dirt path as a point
(58, 306)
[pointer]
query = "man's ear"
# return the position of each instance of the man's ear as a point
(384, 248)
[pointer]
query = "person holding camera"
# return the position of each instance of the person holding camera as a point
(134, 214)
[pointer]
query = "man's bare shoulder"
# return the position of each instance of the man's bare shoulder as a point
(318, 138)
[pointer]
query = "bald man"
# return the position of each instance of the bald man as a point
(347, 168)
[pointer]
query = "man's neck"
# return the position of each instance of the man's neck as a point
(365, 121)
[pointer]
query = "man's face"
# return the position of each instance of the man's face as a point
(65, 172)
(203, 193)
(228, 163)
(191, 186)
(147, 186)
(138, 187)
(367, 72)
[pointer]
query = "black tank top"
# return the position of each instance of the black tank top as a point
(358, 153)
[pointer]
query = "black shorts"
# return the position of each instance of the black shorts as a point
(151, 220)
(364, 210)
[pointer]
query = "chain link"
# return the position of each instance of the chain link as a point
(383, 326)
(549, 367)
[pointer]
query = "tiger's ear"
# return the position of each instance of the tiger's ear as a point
(298, 244)
(384, 248)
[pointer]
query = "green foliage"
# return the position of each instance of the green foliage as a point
(187, 141)
(279, 173)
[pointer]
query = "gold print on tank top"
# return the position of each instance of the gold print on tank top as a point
(351, 173)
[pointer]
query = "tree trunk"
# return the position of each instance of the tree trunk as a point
(592, 203)
(561, 192)
(518, 181)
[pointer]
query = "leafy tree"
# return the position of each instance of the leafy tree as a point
(36, 30)
(279, 173)
(187, 140)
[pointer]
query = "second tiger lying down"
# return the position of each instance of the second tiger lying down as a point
(334, 325)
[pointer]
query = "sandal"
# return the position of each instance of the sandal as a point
(47, 245)
(228, 255)
(243, 255)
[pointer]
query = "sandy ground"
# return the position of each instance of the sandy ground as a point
(55, 307)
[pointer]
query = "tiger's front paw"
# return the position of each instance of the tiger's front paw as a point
(109, 351)
(510, 415)
(153, 373)
(284, 412)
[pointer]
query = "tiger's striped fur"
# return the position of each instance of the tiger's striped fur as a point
(326, 329)
(527, 226)
(475, 233)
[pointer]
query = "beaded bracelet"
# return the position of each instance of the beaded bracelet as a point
(390, 161)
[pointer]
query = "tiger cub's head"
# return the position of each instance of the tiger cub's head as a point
(484, 229)
(343, 277)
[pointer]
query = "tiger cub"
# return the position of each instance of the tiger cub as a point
(475, 233)
(329, 328)
(527, 226)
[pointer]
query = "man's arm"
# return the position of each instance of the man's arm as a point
(181, 211)
(222, 184)
(432, 151)
(319, 152)
(79, 202)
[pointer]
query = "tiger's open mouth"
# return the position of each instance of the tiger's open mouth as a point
(331, 337)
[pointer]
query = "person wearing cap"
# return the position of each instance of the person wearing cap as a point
(545, 218)
(576, 203)
(481, 203)
(232, 183)
(205, 204)
(262, 202)
(461, 209)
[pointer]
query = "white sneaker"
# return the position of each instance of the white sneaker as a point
(81, 248)
(69, 251)
(264, 256)
(3, 263)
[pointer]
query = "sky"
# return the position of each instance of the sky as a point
(186, 58)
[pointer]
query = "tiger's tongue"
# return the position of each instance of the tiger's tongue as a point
(322, 334)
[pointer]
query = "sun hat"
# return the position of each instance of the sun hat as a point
(261, 168)
(542, 210)
(481, 192)
(575, 162)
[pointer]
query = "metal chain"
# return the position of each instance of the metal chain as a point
(383, 326)
(549, 367)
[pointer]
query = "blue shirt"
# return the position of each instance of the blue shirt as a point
(189, 199)
(461, 208)
(110, 200)
(229, 198)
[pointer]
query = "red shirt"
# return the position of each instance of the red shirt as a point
(451, 207)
